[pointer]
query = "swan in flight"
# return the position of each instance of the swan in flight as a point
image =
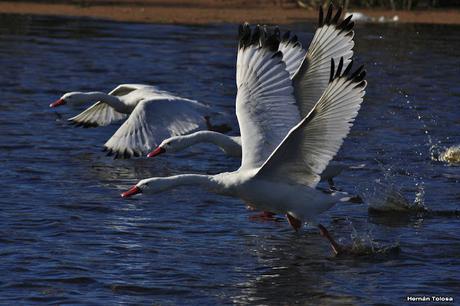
(283, 154)
(152, 115)
(331, 40)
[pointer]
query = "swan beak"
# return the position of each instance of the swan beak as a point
(132, 191)
(57, 103)
(156, 152)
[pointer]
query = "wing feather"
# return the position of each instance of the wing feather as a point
(265, 104)
(151, 122)
(293, 53)
(309, 146)
(99, 114)
(331, 40)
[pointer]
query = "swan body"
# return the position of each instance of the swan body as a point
(283, 152)
(152, 115)
(231, 146)
(266, 195)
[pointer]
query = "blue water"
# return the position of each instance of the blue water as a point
(66, 236)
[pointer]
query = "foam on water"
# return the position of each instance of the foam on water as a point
(450, 155)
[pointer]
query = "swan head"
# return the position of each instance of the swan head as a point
(170, 145)
(70, 97)
(151, 185)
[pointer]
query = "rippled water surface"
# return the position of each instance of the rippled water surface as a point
(66, 236)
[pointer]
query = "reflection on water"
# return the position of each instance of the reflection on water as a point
(67, 237)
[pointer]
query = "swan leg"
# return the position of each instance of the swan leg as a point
(294, 222)
(325, 233)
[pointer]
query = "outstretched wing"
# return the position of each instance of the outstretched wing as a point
(151, 122)
(98, 114)
(331, 40)
(101, 114)
(309, 146)
(265, 104)
(125, 89)
(293, 53)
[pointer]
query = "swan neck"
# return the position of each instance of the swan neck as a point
(221, 140)
(112, 101)
(165, 183)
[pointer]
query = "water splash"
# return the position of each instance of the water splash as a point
(363, 244)
(450, 155)
(389, 198)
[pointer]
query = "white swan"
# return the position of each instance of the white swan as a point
(279, 173)
(331, 40)
(231, 146)
(153, 115)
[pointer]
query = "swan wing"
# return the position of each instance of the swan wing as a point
(293, 52)
(98, 114)
(124, 89)
(311, 144)
(331, 40)
(101, 114)
(153, 121)
(265, 104)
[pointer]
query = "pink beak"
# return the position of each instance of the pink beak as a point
(57, 103)
(132, 191)
(156, 152)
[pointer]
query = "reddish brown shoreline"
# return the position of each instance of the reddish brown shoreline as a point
(207, 11)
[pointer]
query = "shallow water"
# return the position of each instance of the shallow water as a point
(67, 237)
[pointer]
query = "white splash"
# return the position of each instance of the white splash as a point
(389, 198)
(450, 155)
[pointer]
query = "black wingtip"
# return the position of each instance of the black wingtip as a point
(339, 68)
(347, 70)
(356, 73)
(360, 77)
(329, 14)
(260, 36)
(336, 18)
(244, 35)
(321, 17)
(331, 76)
(255, 36)
(345, 24)
(349, 27)
(356, 77)
(270, 41)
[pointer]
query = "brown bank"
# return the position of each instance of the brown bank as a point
(205, 11)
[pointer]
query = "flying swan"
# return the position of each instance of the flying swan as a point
(152, 115)
(331, 40)
(283, 154)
